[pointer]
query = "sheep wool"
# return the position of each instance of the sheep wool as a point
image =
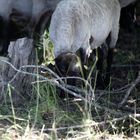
(74, 22)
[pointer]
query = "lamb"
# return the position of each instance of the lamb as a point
(84, 24)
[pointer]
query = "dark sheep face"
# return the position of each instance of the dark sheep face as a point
(67, 65)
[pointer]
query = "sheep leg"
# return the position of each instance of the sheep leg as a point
(104, 82)
(99, 65)
(100, 53)
(111, 42)
(109, 63)
(83, 56)
(4, 42)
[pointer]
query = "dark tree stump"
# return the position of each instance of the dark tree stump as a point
(21, 53)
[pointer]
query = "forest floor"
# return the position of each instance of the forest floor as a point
(110, 114)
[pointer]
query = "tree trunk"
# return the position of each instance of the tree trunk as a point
(21, 53)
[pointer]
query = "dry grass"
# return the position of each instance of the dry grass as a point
(92, 115)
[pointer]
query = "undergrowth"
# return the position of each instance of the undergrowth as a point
(95, 114)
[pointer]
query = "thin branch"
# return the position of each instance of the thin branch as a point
(133, 85)
(95, 124)
(127, 67)
(53, 81)
(62, 87)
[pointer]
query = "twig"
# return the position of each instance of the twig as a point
(133, 85)
(29, 73)
(62, 87)
(91, 90)
(96, 124)
(127, 67)
(124, 108)
(55, 80)
(116, 91)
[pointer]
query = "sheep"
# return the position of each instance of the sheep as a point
(84, 25)
(124, 3)
(127, 18)
(20, 18)
(128, 14)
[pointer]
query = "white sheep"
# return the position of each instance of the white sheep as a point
(74, 22)
(85, 25)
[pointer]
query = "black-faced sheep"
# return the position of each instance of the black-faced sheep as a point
(85, 25)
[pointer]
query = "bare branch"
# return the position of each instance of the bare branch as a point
(133, 85)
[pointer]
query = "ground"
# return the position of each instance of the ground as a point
(98, 116)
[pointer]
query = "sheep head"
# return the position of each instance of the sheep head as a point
(67, 64)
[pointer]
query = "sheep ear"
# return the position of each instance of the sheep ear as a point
(43, 21)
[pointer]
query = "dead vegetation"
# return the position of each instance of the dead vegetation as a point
(113, 113)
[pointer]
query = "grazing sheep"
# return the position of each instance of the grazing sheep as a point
(74, 22)
(84, 24)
